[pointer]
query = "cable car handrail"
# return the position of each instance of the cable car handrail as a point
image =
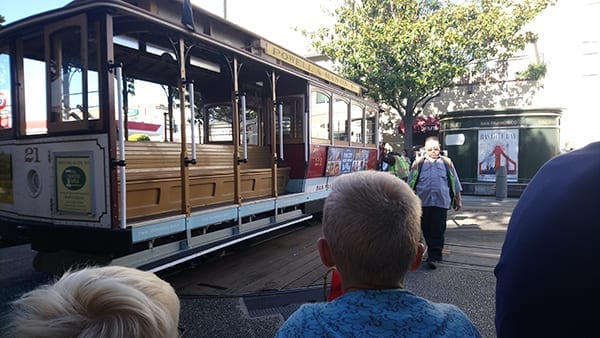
(121, 140)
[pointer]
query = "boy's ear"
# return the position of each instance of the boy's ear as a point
(418, 257)
(325, 252)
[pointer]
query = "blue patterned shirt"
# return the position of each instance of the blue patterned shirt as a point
(378, 313)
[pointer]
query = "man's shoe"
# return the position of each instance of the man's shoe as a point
(432, 263)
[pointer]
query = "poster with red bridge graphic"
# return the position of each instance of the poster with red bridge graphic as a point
(498, 147)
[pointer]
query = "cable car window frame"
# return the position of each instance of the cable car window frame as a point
(361, 121)
(317, 131)
(58, 121)
(7, 106)
(293, 118)
(371, 121)
(340, 120)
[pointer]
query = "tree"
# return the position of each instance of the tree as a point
(406, 51)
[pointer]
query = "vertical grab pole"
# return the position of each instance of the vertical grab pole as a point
(244, 125)
(192, 122)
(184, 160)
(237, 198)
(306, 136)
(273, 136)
(280, 115)
(123, 195)
(245, 131)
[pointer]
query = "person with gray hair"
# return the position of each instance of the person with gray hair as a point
(111, 301)
(436, 182)
(371, 234)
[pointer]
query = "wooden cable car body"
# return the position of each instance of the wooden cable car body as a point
(249, 150)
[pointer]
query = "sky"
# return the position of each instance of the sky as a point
(28, 7)
(275, 20)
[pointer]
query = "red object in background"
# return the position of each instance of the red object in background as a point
(317, 161)
(143, 126)
(373, 160)
(336, 286)
(497, 154)
(4, 121)
(422, 124)
(3, 101)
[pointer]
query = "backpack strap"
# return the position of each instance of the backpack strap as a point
(450, 176)
(416, 167)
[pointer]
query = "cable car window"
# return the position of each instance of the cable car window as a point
(371, 127)
(35, 109)
(66, 75)
(220, 125)
(293, 117)
(5, 92)
(356, 128)
(319, 115)
(288, 110)
(252, 127)
(73, 82)
(340, 120)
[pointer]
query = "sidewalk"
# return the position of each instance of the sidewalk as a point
(473, 242)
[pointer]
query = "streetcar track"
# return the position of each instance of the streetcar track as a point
(473, 246)
(467, 266)
(212, 286)
(489, 253)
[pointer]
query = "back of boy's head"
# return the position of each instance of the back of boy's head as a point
(110, 301)
(371, 221)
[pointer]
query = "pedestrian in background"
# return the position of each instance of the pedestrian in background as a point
(436, 182)
(371, 234)
(546, 285)
(404, 154)
(401, 166)
(387, 159)
(111, 301)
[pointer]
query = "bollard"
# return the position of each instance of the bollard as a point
(501, 186)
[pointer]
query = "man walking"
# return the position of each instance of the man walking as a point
(436, 182)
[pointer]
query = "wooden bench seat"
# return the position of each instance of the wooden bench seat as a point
(154, 183)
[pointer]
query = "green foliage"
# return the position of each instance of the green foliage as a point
(406, 51)
(138, 138)
(2, 19)
(535, 71)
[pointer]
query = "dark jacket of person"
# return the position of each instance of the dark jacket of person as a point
(547, 284)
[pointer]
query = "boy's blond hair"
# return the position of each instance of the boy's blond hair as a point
(371, 221)
(112, 301)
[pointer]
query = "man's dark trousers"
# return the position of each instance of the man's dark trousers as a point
(433, 225)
